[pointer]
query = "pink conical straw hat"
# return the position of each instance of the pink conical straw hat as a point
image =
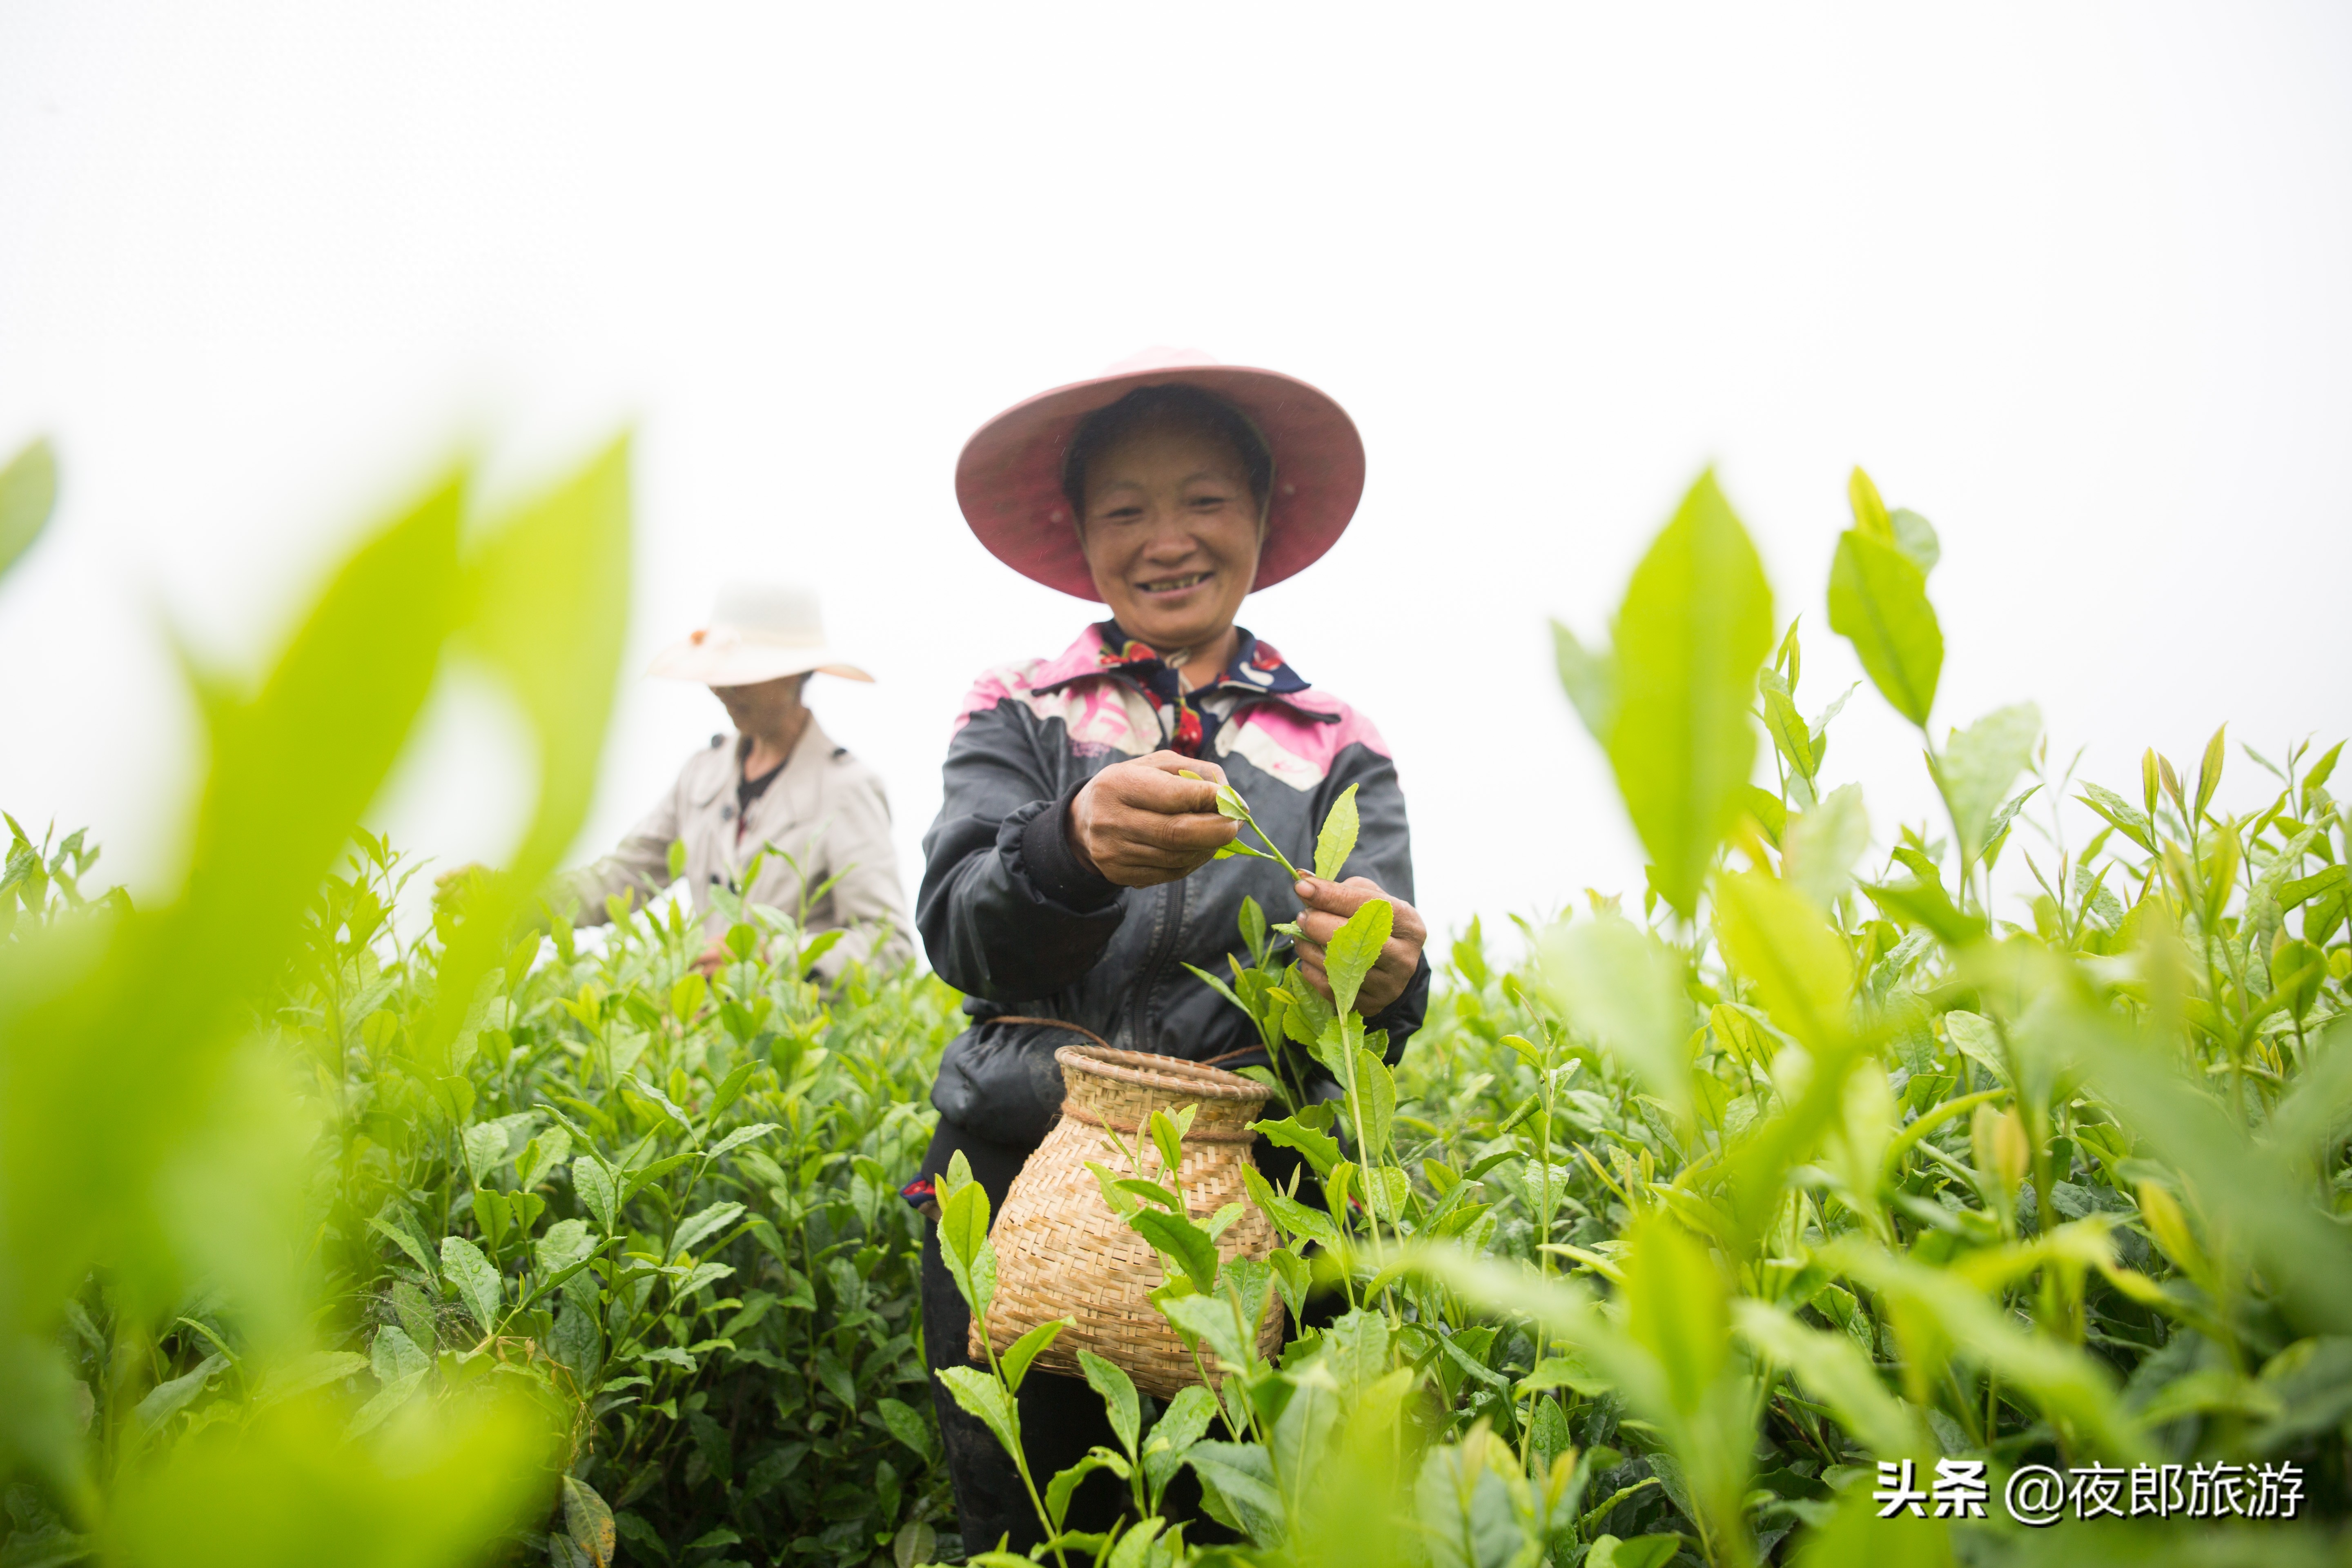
(1009, 479)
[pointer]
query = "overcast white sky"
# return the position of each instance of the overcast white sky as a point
(2071, 280)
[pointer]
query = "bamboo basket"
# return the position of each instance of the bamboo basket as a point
(1060, 1250)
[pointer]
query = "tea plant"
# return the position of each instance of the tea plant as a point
(154, 1237)
(324, 1240)
(649, 1218)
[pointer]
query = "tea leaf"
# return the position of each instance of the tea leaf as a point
(1354, 949)
(963, 1244)
(1916, 537)
(589, 1522)
(485, 1149)
(28, 492)
(717, 1216)
(1834, 1369)
(1791, 736)
(1878, 602)
(2294, 893)
(1623, 986)
(1589, 680)
(1066, 1482)
(1777, 938)
(1870, 517)
(1675, 1306)
(1134, 1548)
(1322, 1151)
(1178, 1430)
(1337, 839)
(547, 607)
(2321, 771)
(1195, 1254)
(751, 1132)
(166, 1400)
(1144, 1192)
(1241, 1475)
(541, 1156)
(2208, 770)
(908, 1427)
(407, 1243)
(1118, 1392)
(1933, 1309)
(478, 1283)
(1253, 924)
(1013, 1364)
(1820, 847)
(594, 1184)
(634, 1181)
(1926, 903)
(1116, 1196)
(1376, 1101)
(981, 1396)
(1694, 628)
(1286, 1213)
(1212, 1320)
(293, 1491)
(1977, 766)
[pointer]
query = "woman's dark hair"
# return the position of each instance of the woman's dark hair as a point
(1175, 403)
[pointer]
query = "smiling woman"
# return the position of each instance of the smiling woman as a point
(1069, 879)
(1169, 488)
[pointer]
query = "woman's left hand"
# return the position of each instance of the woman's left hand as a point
(1328, 906)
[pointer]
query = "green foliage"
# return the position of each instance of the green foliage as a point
(329, 1241)
(326, 1240)
(28, 490)
(1656, 1247)
(1671, 707)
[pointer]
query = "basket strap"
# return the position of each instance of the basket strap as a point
(1051, 1024)
(1205, 1135)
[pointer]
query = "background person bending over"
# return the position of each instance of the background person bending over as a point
(777, 784)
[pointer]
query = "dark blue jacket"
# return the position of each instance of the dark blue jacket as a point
(1013, 917)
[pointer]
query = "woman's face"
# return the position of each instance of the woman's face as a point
(1171, 534)
(767, 708)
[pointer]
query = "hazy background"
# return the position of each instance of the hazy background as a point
(2071, 280)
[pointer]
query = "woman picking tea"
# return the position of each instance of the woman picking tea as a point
(1068, 876)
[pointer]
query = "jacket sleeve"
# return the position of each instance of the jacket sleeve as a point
(867, 898)
(1008, 911)
(640, 864)
(1384, 854)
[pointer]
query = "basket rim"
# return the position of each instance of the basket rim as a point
(1169, 1074)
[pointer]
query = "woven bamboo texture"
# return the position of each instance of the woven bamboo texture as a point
(1060, 1250)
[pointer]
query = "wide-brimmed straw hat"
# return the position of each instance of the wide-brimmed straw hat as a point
(1009, 479)
(756, 633)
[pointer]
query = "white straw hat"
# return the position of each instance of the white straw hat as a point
(757, 633)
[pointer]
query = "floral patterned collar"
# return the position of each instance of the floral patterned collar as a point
(1190, 718)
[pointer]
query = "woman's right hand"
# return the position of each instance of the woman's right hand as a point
(1140, 824)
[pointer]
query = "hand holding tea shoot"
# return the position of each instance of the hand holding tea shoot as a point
(1331, 908)
(1152, 820)
(1233, 808)
(1330, 903)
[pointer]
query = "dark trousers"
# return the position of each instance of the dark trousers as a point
(1061, 1418)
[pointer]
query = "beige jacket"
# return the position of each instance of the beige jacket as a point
(826, 810)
